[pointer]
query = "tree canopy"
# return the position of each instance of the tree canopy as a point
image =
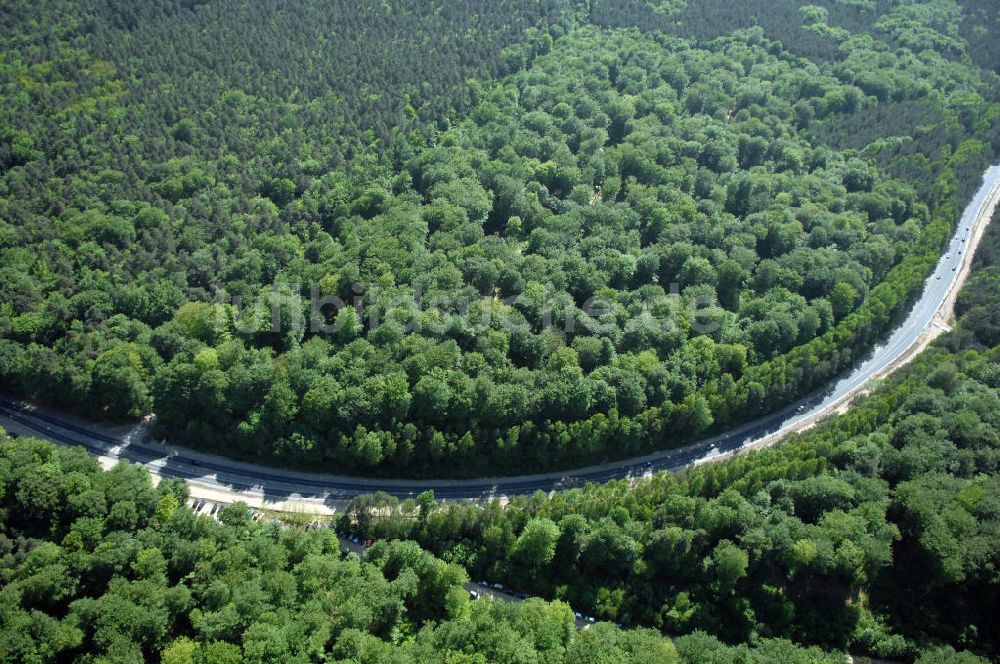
(876, 533)
(565, 232)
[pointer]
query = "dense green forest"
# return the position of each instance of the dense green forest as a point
(421, 238)
(878, 532)
(560, 231)
(101, 567)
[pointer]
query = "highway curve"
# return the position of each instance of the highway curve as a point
(224, 479)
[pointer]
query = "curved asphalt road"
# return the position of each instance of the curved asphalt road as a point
(241, 480)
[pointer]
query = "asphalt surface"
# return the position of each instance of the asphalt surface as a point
(482, 590)
(242, 479)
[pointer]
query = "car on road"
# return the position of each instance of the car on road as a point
(648, 464)
(473, 594)
(498, 586)
(484, 584)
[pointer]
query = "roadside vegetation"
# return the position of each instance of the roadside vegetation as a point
(100, 566)
(877, 532)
